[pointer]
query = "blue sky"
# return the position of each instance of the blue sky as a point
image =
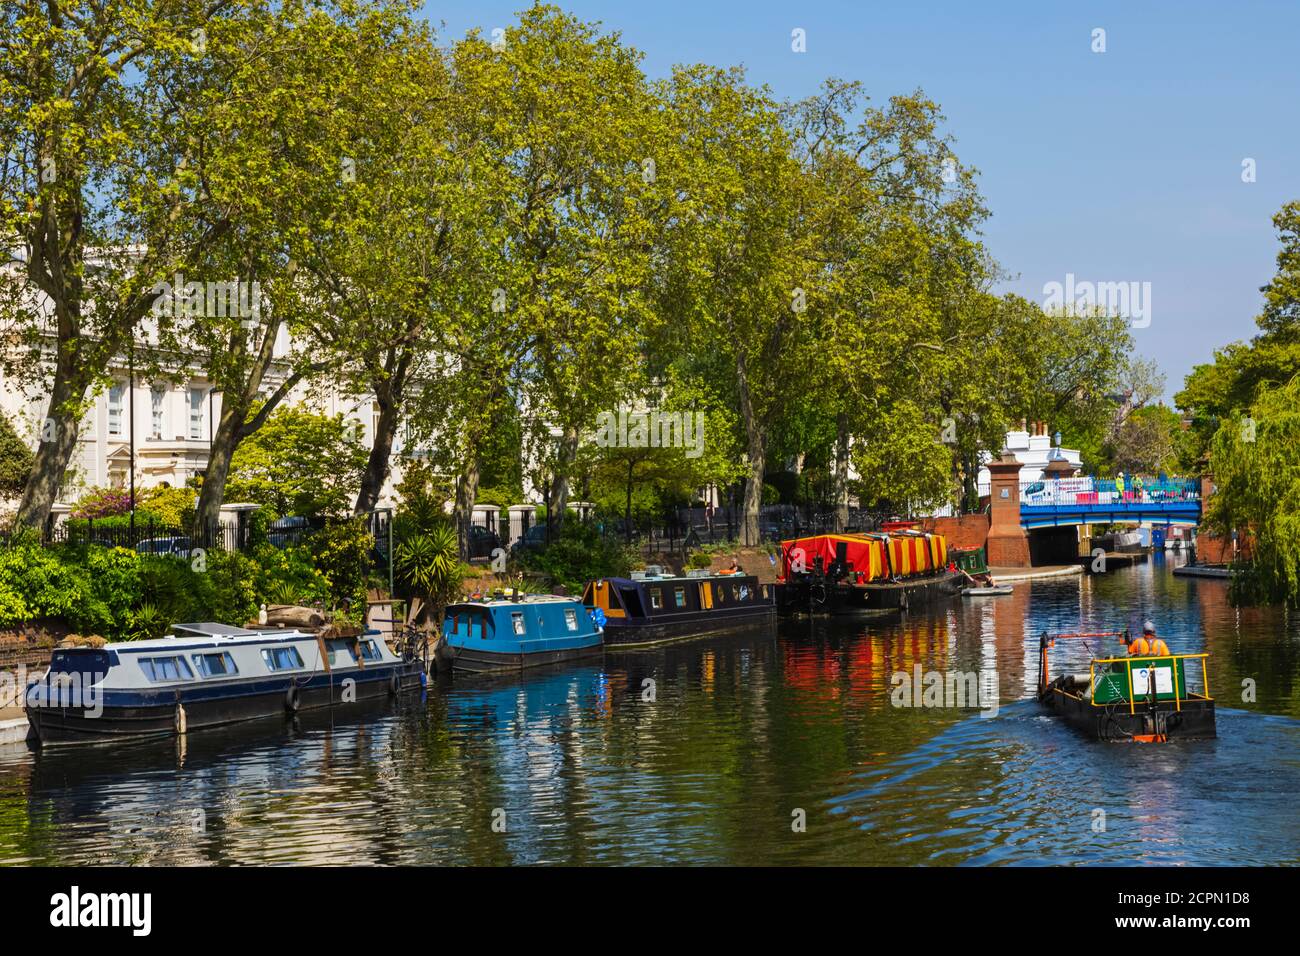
(1117, 166)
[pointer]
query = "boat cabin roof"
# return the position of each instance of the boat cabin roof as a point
(638, 579)
(500, 602)
(206, 634)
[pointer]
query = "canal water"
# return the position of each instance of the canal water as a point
(782, 746)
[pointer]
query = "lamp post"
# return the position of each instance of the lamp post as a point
(131, 412)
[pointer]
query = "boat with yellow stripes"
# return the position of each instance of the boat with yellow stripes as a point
(1140, 698)
(849, 573)
(653, 607)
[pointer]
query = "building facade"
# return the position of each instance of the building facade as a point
(172, 420)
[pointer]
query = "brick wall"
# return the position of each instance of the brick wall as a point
(966, 531)
(1216, 549)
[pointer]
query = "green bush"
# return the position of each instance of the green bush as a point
(231, 575)
(699, 559)
(173, 507)
(579, 555)
(341, 553)
(288, 576)
(427, 563)
(41, 584)
(15, 460)
(124, 595)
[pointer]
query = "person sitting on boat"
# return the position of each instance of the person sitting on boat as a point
(1155, 646)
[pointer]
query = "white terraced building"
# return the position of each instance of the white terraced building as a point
(174, 422)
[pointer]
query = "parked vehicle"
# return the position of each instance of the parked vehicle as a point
(482, 542)
(532, 540)
(176, 547)
(288, 531)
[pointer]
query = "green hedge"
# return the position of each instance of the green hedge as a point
(123, 595)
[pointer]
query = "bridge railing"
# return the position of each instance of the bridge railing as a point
(1070, 492)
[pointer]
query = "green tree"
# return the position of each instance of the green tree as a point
(574, 122)
(101, 192)
(739, 280)
(1257, 488)
(15, 459)
(1242, 371)
(280, 142)
(299, 463)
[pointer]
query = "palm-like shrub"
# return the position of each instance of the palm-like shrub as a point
(428, 563)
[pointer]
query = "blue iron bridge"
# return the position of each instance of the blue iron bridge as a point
(1048, 504)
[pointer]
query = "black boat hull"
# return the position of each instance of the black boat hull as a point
(624, 633)
(1191, 719)
(469, 662)
(809, 595)
(170, 716)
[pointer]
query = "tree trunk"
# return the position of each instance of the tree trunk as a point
(233, 427)
(58, 440)
(559, 503)
(213, 492)
(627, 511)
(755, 454)
(381, 453)
(970, 483)
(841, 472)
(466, 494)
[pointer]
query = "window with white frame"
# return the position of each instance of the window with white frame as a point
(116, 392)
(197, 395)
(156, 396)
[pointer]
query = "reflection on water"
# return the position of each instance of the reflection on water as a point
(706, 752)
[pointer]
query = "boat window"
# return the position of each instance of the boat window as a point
(91, 665)
(679, 596)
(744, 592)
(656, 597)
(571, 619)
(631, 601)
(518, 618)
(215, 665)
(282, 658)
(720, 593)
(370, 651)
(340, 649)
(166, 668)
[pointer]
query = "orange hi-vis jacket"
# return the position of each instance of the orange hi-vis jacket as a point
(1139, 648)
(1158, 648)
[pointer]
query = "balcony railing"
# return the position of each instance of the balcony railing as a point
(1101, 491)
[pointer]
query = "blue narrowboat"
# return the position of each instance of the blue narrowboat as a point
(206, 675)
(528, 631)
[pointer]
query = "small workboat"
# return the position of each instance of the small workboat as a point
(992, 590)
(1135, 698)
(523, 630)
(653, 607)
(208, 674)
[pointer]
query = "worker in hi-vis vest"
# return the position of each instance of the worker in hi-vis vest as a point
(1155, 646)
